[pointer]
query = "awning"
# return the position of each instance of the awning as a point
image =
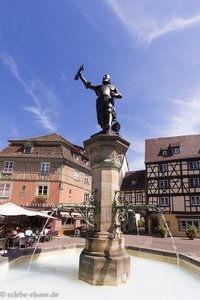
(11, 209)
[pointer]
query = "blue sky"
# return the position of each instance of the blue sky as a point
(151, 49)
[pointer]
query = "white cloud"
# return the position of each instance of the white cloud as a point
(36, 90)
(147, 26)
(185, 119)
(181, 117)
(174, 24)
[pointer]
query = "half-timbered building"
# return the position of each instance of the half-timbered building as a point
(173, 181)
(133, 192)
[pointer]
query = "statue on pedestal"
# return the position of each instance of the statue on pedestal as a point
(106, 93)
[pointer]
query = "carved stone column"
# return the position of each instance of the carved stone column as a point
(104, 260)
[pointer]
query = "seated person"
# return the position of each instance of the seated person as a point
(28, 232)
(16, 238)
(29, 236)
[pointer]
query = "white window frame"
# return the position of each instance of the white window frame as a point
(163, 168)
(128, 197)
(8, 166)
(76, 175)
(195, 200)
(194, 182)
(175, 150)
(138, 196)
(75, 156)
(86, 162)
(164, 152)
(27, 149)
(45, 167)
(5, 190)
(86, 179)
(164, 201)
(193, 165)
(163, 183)
(86, 197)
(42, 190)
(187, 222)
(134, 182)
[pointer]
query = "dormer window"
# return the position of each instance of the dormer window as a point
(164, 152)
(86, 162)
(75, 156)
(175, 150)
(27, 149)
(133, 182)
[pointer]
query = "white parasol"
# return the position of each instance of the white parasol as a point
(11, 209)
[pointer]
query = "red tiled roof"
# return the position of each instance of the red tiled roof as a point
(189, 148)
(133, 180)
(46, 146)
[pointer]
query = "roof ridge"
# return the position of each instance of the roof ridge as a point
(173, 137)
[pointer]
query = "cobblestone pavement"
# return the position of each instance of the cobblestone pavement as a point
(180, 244)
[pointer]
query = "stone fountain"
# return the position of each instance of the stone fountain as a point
(104, 260)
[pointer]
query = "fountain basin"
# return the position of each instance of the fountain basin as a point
(55, 274)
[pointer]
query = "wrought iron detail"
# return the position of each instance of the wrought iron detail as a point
(86, 209)
(123, 210)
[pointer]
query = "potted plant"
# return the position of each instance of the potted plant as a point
(162, 231)
(191, 232)
(40, 199)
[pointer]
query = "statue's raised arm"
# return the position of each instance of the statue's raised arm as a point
(106, 93)
(79, 75)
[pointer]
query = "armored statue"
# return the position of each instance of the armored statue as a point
(106, 93)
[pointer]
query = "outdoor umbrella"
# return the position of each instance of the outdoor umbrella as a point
(11, 209)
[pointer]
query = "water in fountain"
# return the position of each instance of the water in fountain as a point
(138, 231)
(38, 240)
(172, 239)
(55, 275)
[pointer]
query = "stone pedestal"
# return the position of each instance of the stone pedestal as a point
(104, 260)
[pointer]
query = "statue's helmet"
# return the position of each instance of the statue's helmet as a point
(106, 78)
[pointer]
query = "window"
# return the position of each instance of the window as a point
(128, 197)
(195, 200)
(8, 166)
(164, 183)
(138, 196)
(163, 168)
(164, 152)
(175, 151)
(86, 179)
(27, 149)
(75, 156)
(185, 223)
(42, 190)
(133, 182)
(4, 190)
(86, 197)
(86, 162)
(76, 175)
(193, 182)
(164, 201)
(45, 168)
(193, 165)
